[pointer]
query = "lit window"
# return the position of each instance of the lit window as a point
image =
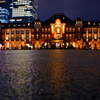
(32, 30)
(7, 37)
(37, 30)
(58, 30)
(95, 36)
(32, 36)
(42, 29)
(70, 36)
(22, 36)
(78, 29)
(28, 24)
(66, 29)
(63, 17)
(42, 36)
(89, 36)
(45, 36)
(70, 29)
(48, 29)
(94, 23)
(37, 36)
(45, 29)
(66, 36)
(73, 29)
(88, 23)
(84, 36)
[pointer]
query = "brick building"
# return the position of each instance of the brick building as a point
(58, 31)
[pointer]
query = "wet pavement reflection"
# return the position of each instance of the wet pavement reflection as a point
(49, 75)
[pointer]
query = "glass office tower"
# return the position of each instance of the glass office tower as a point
(4, 11)
(23, 10)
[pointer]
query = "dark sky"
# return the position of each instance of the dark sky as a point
(87, 10)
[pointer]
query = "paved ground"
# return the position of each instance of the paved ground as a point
(49, 75)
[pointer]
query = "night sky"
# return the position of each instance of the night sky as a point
(88, 10)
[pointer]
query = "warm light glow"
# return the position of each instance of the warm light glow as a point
(58, 30)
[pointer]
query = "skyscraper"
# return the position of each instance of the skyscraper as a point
(4, 11)
(23, 10)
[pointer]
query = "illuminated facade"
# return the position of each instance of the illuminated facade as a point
(23, 10)
(4, 11)
(57, 32)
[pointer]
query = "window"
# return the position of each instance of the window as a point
(78, 29)
(70, 29)
(94, 23)
(42, 36)
(27, 36)
(3, 37)
(12, 37)
(32, 31)
(70, 36)
(7, 37)
(49, 30)
(84, 30)
(42, 29)
(88, 23)
(46, 30)
(17, 31)
(22, 31)
(73, 36)
(28, 24)
(45, 37)
(79, 36)
(3, 31)
(84, 36)
(37, 36)
(37, 30)
(49, 36)
(32, 36)
(58, 30)
(22, 36)
(66, 36)
(27, 31)
(73, 29)
(90, 36)
(66, 29)
(90, 30)
(7, 31)
(95, 30)
(95, 36)
(12, 31)
(17, 37)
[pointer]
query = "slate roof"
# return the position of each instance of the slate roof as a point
(92, 23)
(60, 16)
